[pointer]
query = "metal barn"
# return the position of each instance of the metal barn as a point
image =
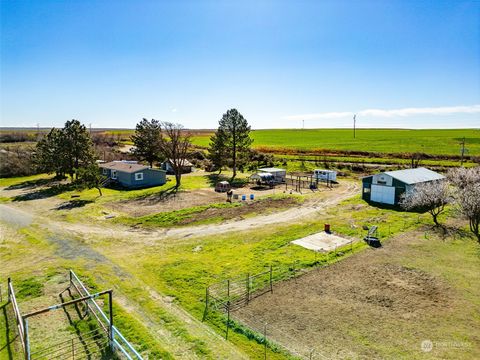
(388, 187)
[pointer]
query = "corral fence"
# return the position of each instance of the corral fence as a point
(310, 182)
(232, 294)
(106, 339)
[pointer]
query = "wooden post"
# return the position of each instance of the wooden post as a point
(271, 280)
(228, 318)
(206, 304)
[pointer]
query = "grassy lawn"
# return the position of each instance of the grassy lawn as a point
(183, 268)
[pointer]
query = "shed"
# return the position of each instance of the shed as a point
(387, 187)
(133, 175)
(278, 174)
(186, 166)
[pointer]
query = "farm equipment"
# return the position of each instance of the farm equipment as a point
(372, 236)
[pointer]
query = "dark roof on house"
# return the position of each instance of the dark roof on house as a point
(123, 166)
(415, 176)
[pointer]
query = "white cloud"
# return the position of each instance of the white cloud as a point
(173, 110)
(445, 110)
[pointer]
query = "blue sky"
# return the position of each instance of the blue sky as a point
(110, 63)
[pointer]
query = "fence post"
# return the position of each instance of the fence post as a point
(271, 280)
(110, 308)
(265, 339)
(8, 289)
(25, 339)
(228, 318)
(248, 287)
(206, 305)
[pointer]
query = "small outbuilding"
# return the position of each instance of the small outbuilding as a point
(279, 175)
(186, 166)
(132, 175)
(387, 187)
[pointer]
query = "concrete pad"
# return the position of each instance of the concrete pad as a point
(321, 241)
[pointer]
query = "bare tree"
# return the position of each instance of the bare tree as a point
(429, 196)
(467, 195)
(174, 145)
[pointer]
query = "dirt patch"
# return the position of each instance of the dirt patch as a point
(262, 206)
(173, 201)
(181, 200)
(367, 296)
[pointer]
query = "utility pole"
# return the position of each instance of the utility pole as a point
(90, 126)
(462, 151)
(303, 124)
(354, 123)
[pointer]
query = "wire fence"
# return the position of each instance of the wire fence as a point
(104, 340)
(231, 294)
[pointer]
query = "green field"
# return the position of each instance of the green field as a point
(438, 142)
(430, 141)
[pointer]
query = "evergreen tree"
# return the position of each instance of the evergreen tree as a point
(48, 154)
(234, 133)
(76, 146)
(218, 152)
(64, 151)
(147, 140)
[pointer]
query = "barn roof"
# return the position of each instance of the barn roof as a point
(123, 166)
(415, 176)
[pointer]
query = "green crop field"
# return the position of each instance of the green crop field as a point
(438, 142)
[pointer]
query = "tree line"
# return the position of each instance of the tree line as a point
(69, 150)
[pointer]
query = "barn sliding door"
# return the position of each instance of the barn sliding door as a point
(383, 194)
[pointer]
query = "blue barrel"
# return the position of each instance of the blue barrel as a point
(252, 196)
(244, 197)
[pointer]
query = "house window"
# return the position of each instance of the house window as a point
(105, 171)
(114, 174)
(366, 190)
(139, 176)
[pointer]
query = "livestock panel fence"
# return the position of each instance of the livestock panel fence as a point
(104, 339)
